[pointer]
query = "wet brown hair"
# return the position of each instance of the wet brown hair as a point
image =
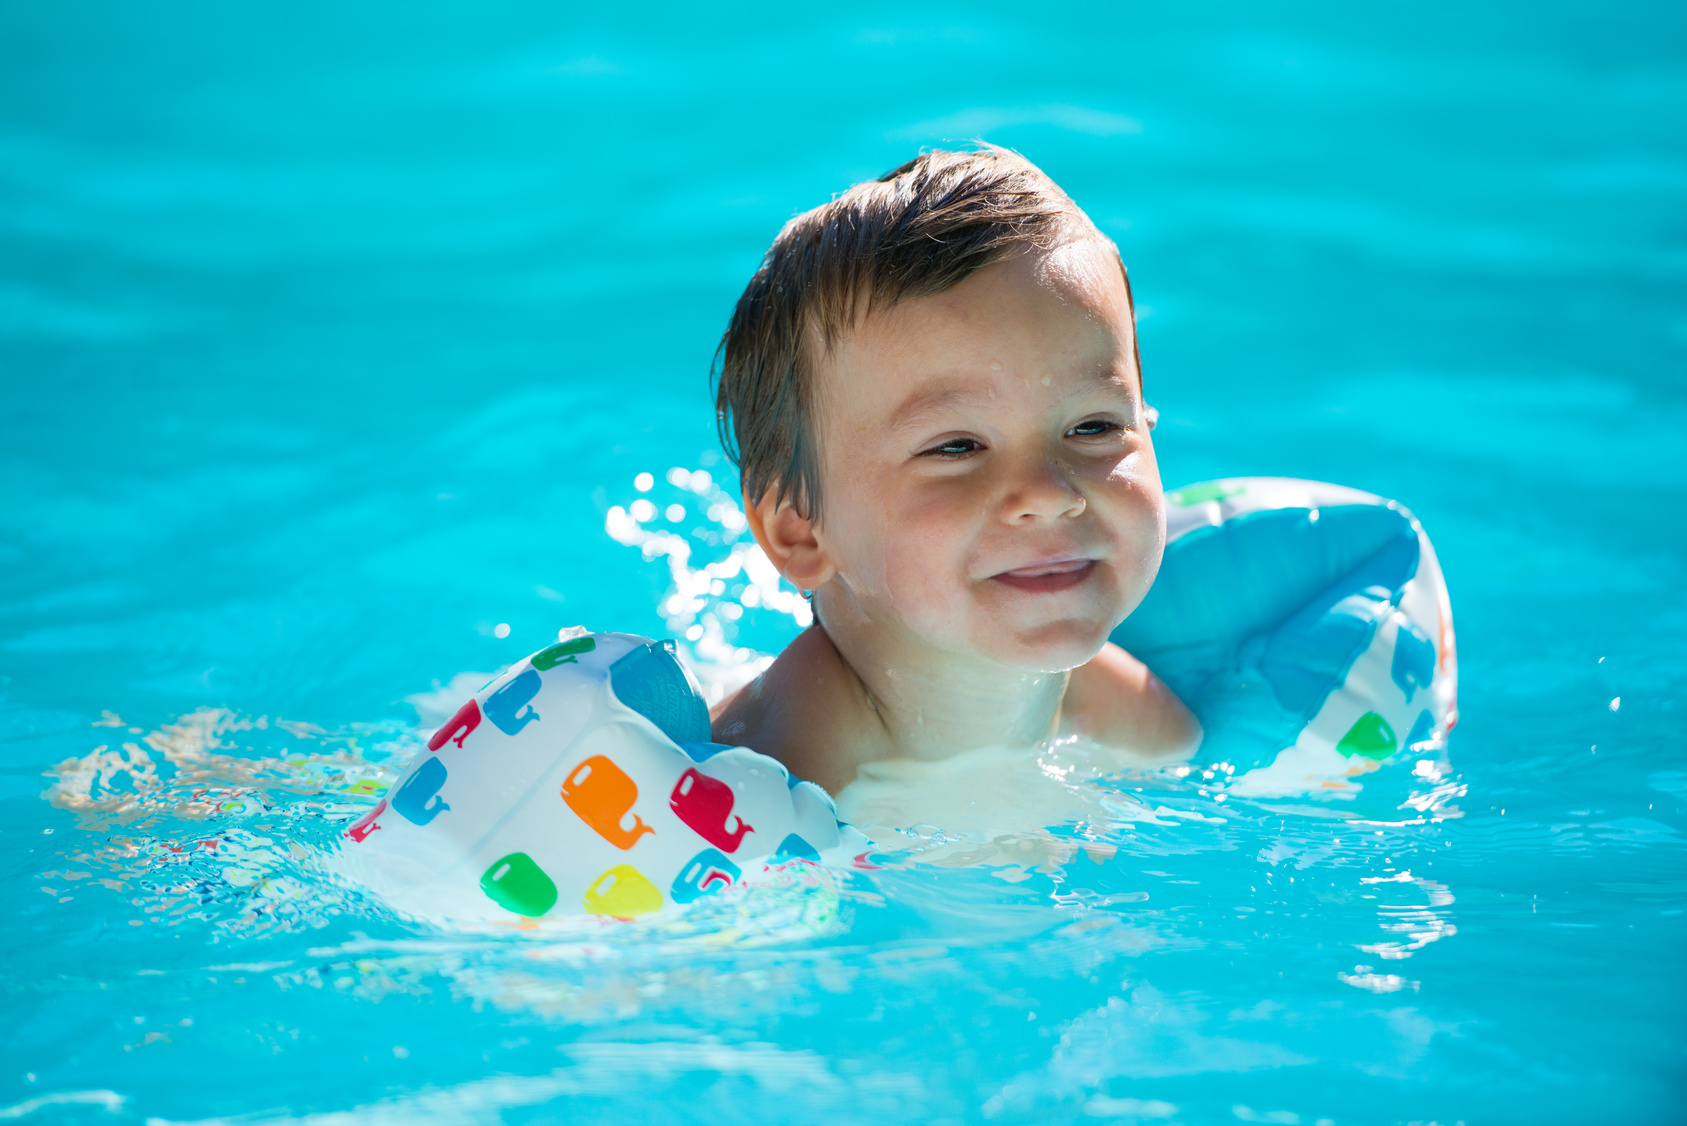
(915, 231)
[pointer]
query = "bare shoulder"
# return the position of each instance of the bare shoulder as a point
(805, 710)
(1117, 702)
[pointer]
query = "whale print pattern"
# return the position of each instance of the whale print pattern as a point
(794, 847)
(649, 826)
(465, 721)
(510, 708)
(623, 892)
(1370, 737)
(603, 796)
(516, 883)
(365, 825)
(1414, 661)
(418, 799)
(705, 804)
(562, 653)
(703, 874)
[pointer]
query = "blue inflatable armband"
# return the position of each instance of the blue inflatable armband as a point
(1296, 616)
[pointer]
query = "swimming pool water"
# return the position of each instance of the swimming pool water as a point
(329, 341)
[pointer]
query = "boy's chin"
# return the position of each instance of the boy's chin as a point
(1054, 648)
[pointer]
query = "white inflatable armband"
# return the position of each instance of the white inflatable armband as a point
(582, 781)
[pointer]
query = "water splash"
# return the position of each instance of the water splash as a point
(707, 602)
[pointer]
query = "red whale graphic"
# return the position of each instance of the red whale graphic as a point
(705, 804)
(465, 721)
(366, 824)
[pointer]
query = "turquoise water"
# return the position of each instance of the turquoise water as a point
(328, 341)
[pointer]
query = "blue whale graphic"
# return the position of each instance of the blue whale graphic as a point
(418, 799)
(508, 708)
(1414, 661)
(707, 872)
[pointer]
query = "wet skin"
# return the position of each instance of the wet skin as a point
(991, 510)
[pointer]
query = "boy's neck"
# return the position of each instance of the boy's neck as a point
(934, 704)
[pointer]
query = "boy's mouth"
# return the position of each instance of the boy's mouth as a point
(1047, 578)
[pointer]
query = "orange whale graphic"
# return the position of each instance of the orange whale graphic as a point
(602, 794)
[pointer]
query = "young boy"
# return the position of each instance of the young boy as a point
(933, 393)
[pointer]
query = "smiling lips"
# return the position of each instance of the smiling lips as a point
(1048, 578)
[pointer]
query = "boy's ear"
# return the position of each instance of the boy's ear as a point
(788, 539)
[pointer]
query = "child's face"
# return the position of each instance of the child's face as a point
(988, 481)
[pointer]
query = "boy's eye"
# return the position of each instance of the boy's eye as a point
(1093, 428)
(954, 447)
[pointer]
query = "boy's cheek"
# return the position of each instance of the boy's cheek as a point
(902, 556)
(929, 520)
(1144, 543)
(924, 568)
(1135, 481)
(924, 561)
(1137, 468)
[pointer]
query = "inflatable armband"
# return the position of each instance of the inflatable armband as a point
(592, 788)
(1299, 615)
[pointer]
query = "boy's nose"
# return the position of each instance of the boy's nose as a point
(1042, 492)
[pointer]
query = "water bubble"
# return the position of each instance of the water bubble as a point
(643, 482)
